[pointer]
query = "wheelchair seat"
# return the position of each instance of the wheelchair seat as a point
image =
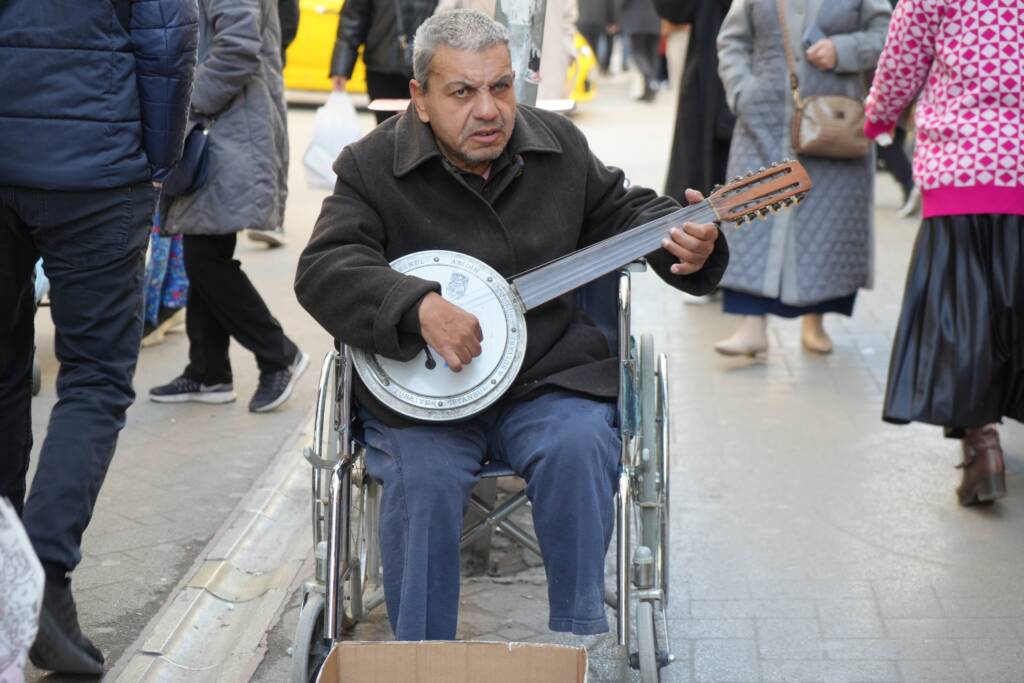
(495, 468)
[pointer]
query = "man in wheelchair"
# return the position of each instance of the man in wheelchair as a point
(467, 169)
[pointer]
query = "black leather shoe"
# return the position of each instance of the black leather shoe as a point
(60, 644)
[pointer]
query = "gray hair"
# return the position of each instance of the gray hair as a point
(459, 29)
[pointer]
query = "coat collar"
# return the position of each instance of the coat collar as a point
(414, 140)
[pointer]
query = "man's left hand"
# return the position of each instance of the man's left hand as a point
(693, 244)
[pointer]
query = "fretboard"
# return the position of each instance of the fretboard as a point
(565, 274)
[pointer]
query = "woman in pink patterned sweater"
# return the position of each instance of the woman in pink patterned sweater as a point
(958, 357)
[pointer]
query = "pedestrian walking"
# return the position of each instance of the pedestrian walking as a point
(239, 95)
(93, 112)
(894, 160)
(704, 123)
(641, 26)
(596, 17)
(810, 261)
(958, 357)
(384, 29)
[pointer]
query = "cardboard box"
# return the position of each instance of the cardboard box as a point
(453, 662)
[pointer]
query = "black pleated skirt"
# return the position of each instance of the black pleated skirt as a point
(958, 357)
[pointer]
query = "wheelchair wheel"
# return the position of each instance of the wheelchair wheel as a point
(365, 571)
(37, 377)
(647, 644)
(310, 648)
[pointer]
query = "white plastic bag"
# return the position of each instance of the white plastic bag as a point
(335, 125)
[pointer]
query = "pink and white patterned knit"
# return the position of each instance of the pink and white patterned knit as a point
(966, 58)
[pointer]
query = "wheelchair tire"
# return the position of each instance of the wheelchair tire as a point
(310, 649)
(364, 578)
(650, 469)
(647, 643)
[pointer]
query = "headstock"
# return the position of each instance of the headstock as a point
(761, 193)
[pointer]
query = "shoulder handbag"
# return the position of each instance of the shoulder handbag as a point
(823, 125)
(191, 172)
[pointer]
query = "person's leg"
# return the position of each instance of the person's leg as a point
(428, 474)
(384, 86)
(896, 162)
(231, 299)
(751, 335)
(644, 52)
(17, 313)
(208, 340)
(567, 448)
(92, 244)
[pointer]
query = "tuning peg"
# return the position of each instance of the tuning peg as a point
(762, 169)
(789, 201)
(716, 188)
(740, 221)
(765, 212)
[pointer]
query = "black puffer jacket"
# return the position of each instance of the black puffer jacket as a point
(91, 98)
(373, 24)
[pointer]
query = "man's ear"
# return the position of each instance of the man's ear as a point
(419, 99)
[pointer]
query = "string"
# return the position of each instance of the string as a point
(565, 273)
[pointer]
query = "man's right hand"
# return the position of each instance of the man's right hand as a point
(453, 332)
(339, 83)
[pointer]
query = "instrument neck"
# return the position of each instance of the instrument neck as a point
(563, 275)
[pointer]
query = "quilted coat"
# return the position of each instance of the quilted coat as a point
(91, 101)
(823, 248)
(239, 91)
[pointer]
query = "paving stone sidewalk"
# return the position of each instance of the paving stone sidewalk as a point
(810, 542)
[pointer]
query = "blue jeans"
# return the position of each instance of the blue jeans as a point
(92, 245)
(565, 446)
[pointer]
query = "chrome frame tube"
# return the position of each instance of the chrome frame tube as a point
(623, 536)
(663, 412)
(339, 549)
(624, 498)
(332, 625)
(318, 431)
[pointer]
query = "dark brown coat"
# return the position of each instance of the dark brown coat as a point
(396, 196)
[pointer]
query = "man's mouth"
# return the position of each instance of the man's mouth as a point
(485, 136)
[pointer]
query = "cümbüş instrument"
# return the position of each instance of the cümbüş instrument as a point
(425, 389)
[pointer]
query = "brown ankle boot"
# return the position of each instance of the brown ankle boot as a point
(984, 471)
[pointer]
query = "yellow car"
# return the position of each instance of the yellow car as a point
(309, 56)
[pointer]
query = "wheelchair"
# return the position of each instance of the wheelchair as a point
(346, 500)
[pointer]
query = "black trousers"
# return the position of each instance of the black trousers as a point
(643, 48)
(93, 250)
(894, 157)
(594, 33)
(380, 85)
(223, 303)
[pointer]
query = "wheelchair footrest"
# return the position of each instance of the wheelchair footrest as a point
(663, 660)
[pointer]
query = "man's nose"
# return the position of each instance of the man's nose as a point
(485, 107)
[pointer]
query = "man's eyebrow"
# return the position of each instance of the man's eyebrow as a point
(457, 84)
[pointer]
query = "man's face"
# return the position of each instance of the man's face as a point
(470, 104)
